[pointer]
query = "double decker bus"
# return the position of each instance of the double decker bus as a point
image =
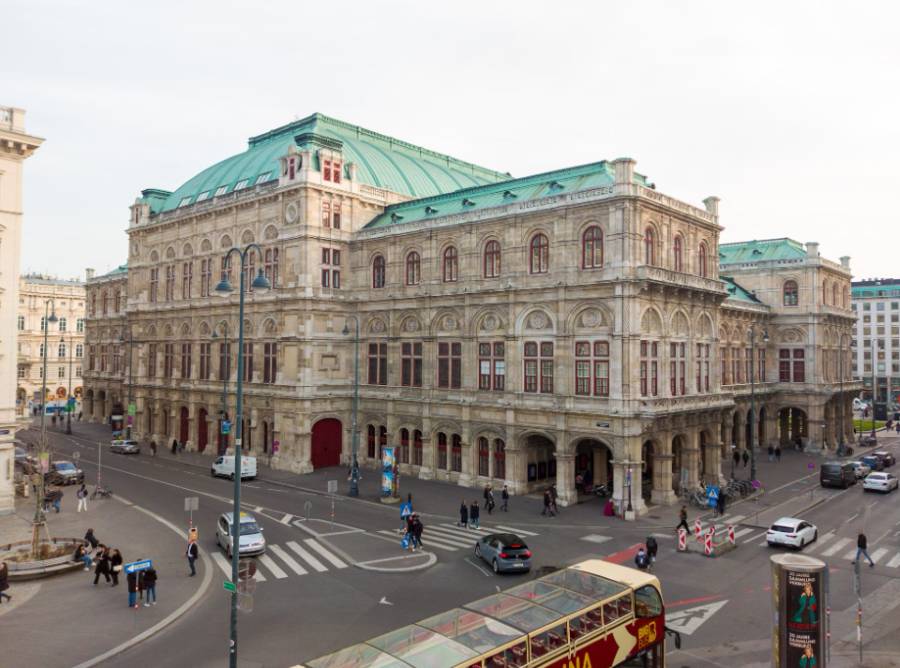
(591, 615)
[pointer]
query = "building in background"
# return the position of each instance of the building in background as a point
(571, 327)
(15, 147)
(65, 342)
(876, 341)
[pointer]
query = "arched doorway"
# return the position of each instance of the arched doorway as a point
(541, 462)
(593, 465)
(202, 430)
(326, 443)
(761, 429)
(680, 473)
(793, 425)
(647, 450)
(184, 425)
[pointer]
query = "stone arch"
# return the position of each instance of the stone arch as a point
(170, 253)
(168, 331)
(446, 320)
(249, 327)
(651, 321)
(185, 329)
(679, 325)
(270, 326)
(247, 237)
(225, 242)
(487, 321)
(791, 335)
(376, 325)
(681, 461)
(409, 324)
(154, 257)
(704, 329)
(593, 464)
(187, 250)
(591, 318)
(151, 331)
(537, 320)
(539, 454)
(204, 329)
(270, 233)
(205, 246)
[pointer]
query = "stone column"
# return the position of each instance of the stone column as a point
(690, 457)
(632, 452)
(516, 474)
(429, 455)
(466, 477)
(714, 461)
(771, 427)
(565, 479)
(662, 479)
(784, 438)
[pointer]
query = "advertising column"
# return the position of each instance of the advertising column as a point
(799, 589)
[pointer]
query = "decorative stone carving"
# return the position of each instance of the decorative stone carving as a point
(411, 325)
(489, 323)
(591, 318)
(538, 320)
(377, 326)
(292, 213)
(448, 323)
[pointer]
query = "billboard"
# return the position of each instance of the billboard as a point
(388, 472)
(798, 589)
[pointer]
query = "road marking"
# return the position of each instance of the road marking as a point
(486, 573)
(307, 557)
(851, 554)
(443, 543)
(222, 563)
(288, 559)
(269, 563)
(893, 563)
(837, 547)
(286, 519)
(125, 501)
(688, 621)
(851, 518)
(596, 538)
(459, 534)
(742, 532)
(622, 556)
(337, 563)
(878, 554)
(821, 541)
(734, 520)
(520, 532)
(759, 535)
(258, 509)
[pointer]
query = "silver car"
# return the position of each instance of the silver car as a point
(125, 447)
(861, 469)
(504, 552)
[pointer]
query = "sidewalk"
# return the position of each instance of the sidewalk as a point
(95, 619)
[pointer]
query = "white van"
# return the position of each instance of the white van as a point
(224, 466)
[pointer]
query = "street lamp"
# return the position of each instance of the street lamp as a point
(260, 285)
(39, 517)
(874, 391)
(130, 381)
(765, 339)
(225, 372)
(69, 405)
(354, 431)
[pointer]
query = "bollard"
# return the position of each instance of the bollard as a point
(731, 534)
(698, 528)
(707, 543)
(682, 540)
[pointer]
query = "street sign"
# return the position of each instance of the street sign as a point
(136, 566)
(712, 495)
(405, 510)
(191, 503)
(332, 486)
(132, 410)
(603, 425)
(276, 445)
(226, 427)
(228, 585)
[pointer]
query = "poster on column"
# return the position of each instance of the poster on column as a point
(387, 472)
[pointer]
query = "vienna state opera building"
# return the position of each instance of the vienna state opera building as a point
(572, 327)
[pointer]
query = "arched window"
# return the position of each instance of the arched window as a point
(790, 293)
(539, 259)
(824, 292)
(271, 266)
(404, 446)
(417, 447)
(483, 456)
(451, 265)
(492, 259)
(592, 248)
(413, 268)
(678, 254)
(649, 247)
(701, 261)
(499, 459)
(382, 441)
(378, 271)
(834, 295)
(370, 444)
(442, 451)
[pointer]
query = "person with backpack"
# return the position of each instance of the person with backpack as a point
(652, 548)
(490, 500)
(683, 523)
(862, 544)
(745, 458)
(504, 497)
(641, 560)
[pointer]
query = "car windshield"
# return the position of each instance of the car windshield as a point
(249, 528)
(65, 466)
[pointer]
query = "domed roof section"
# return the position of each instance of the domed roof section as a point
(381, 161)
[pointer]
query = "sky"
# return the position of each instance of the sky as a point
(786, 111)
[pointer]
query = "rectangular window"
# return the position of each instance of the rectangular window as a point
(649, 368)
(205, 277)
(411, 364)
(761, 363)
(205, 350)
(449, 365)
(491, 366)
(168, 360)
(326, 278)
(185, 360)
(592, 368)
(677, 384)
(702, 367)
(442, 450)
(326, 256)
(336, 172)
(224, 361)
(456, 453)
(187, 277)
(154, 286)
(335, 279)
(79, 325)
(538, 367)
(336, 215)
(248, 362)
(151, 360)
(799, 369)
(21, 323)
(326, 170)
(270, 359)
(326, 214)
(336, 257)
(377, 364)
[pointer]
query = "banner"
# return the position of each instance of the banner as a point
(388, 474)
(799, 593)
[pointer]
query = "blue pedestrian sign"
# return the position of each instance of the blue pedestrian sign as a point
(136, 566)
(405, 510)
(226, 427)
(712, 495)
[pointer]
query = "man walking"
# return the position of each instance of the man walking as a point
(486, 494)
(102, 564)
(490, 500)
(504, 496)
(771, 452)
(418, 528)
(82, 495)
(132, 582)
(736, 457)
(720, 503)
(464, 515)
(683, 523)
(150, 586)
(862, 544)
(192, 553)
(745, 457)
(474, 513)
(777, 453)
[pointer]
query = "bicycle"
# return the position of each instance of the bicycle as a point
(102, 492)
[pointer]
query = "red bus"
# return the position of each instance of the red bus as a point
(591, 615)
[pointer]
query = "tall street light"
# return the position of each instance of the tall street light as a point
(260, 285)
(39, 517)
(70, 406)
(753, 428)
(354, 429)
(130, 417)
(842, 404)
(224, 360)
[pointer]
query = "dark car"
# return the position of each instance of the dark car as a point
(873, 462)
(837, 474)
(65, 473)
(504, 552)
(887, 459)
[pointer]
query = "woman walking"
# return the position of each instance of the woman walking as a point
(82, 495)
(474, 513)
(115, 566)
(102, 564)
(464, 515)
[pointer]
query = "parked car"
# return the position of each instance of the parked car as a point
(125, 447)
(252, 541)
(504, 552)
(792, 532)
(861, 469)
(837, 474)
(886, 458)
(21, 455)
(872, 462)
(64, 473)
(880, 482)
(224, 466)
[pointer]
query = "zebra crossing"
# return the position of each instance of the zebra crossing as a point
(299, 559)
(451, 537)
(830, 545)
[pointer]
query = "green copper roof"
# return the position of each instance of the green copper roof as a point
(568, 180)
(121, 269)
(381, 161)
(885, 287)
(738, 293)
(761, 251)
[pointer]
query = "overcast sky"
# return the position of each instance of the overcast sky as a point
(787, 111)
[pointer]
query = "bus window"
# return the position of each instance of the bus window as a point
(610, 612)
(548, 642)
(512, 657)
(647, 602)
(624, 603)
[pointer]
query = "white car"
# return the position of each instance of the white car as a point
(791, 532)
(125, 447)
(880, 482)
(861, 469)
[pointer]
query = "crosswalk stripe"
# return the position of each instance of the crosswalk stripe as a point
(337, 563)
(222, 563)
(821, 541)
(878, 554)
(306, 556)
(269, 563)
(733, 520)
(851, 554)
(428, 539)
(893, 563)
(483, 532)
(742, 532)
(837, 547)
(286, 519)
(759, 535)
(518, 532)
(288, 559)
(460, 534)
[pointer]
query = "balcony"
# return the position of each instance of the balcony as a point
(676, 278)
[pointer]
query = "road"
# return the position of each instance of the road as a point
(314, 597)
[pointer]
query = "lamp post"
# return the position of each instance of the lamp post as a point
(225, 373)
(69, 405)
(39, 517)
(765, 339)
(874, 392)
(260, 284)
(354, 430)
(130, 382)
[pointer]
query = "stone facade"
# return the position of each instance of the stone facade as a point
(552, 329)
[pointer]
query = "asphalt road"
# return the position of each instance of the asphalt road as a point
(314, 599)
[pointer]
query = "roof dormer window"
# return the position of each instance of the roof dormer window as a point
(430, 210)
(262, 178)
(331, 170)
(556, 185)
(509, 194)
(468, 202)
(220, 190)
(202, 196)
(184, 202)
(240, 185)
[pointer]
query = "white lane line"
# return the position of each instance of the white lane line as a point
(222, 563)
(337, 563)
(452, 538)
(258, 509)
(269, 563)
(735, 520)
(126, 501)
(520, 532)
(759, 535)
(742, 532)
(851, 555)
(821, 540)
(286, 519)
(893, 563)
(596, 538)
(307, 557)
(878, 554)
(837, 547)
(428, 539)
(851, 518)
(482, 532)
(460, 534)
(288, 559)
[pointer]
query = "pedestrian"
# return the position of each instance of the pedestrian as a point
(736, 457)
(474, 513)
(4, 582)
(553, 497)
(153, 448)
(771, 452)
(149, 581)
(641, 560)
(504, 496)
(548, 504)
(192, 553)
(410, 532)
(174, 446)
(102, 564)
(82, 495)
(798, 444)
(898, 427)
(463, 515)
(56, 499)
(490, 501)
(485, 494)
(91, 539)
(720, 503)
(115, 566)
(683, 517)
(862, 544)
(79, 416)
(132, 582)
(777, 453)
(82, 554)
(418, 528)
(745, 457)
(652, 548)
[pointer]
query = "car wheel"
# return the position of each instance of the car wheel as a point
(478, 550)
(815, 535)
(231, 477)
(496, 566)
(802, 544)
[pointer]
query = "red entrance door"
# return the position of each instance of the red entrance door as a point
(202, 431)
(184, 426)
(326, 443)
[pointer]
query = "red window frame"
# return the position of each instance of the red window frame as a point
(418, 449)
(270, 362)
(790, 293)
(799, 366)
(336, 173)
(370, 442)
(450, 265)
(326, 214)
(442, 450)
(404, 446)
(492, 366)
(701, 261)
(168, 359)
(456, 453)
(649, 368)
(449, 365)
(592, 368)
(538, 367)
(484, 456)
(499, 459)
(377, 366)
(592, 248)
(249, 271)
(411, 364)
(248, 361)
(702, 367)
(224, 361)
(649, 247)
(326, 169)
(413, 268)
(205, 352)
(539, 254)
(186, 360)
(378, 272)
(492, 258)
(677, 385)
(271, 266)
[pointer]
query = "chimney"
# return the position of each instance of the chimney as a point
(352, 170)
(812, 249)
(624, 171)
(88, 274)
(712, 205)
(845, 261)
